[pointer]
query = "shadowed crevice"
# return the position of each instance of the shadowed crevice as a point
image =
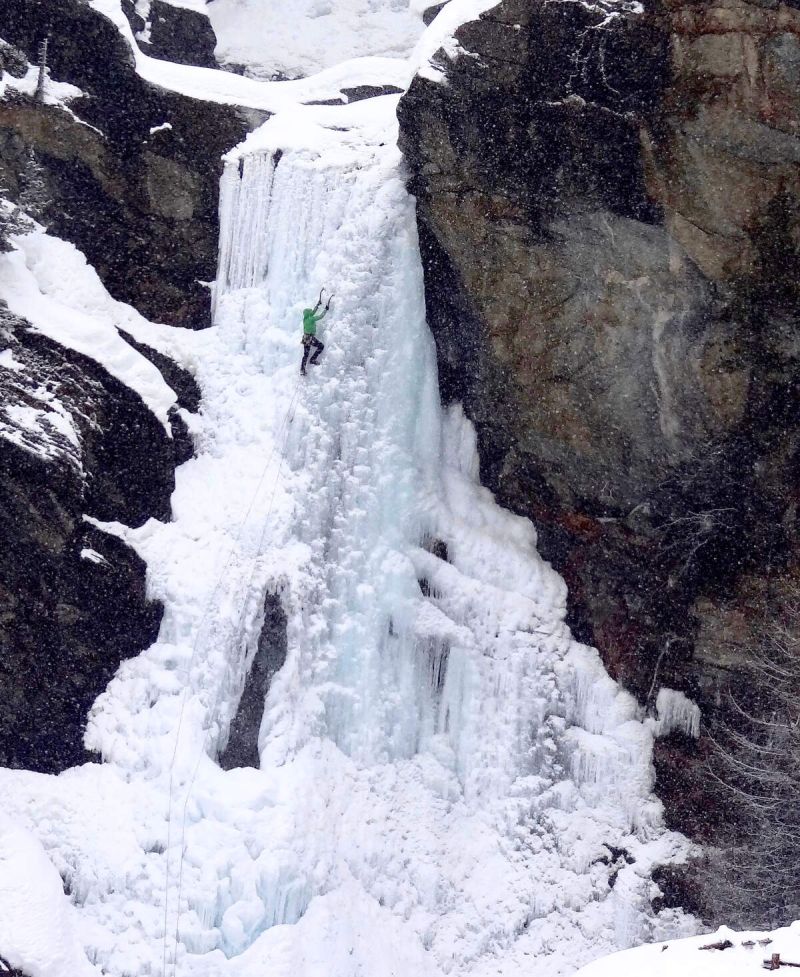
(242, 748)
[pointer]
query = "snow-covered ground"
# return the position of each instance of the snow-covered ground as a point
(301, 37)
(449, 783)
(225, 87)
(726, 953)
(297, 38)
(363, 64)
(55, 93)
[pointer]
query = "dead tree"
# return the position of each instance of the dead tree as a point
(757, 760)
(40, 84)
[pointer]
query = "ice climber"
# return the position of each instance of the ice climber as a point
(310, 319)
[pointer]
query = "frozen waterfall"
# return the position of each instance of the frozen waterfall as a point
(491, 764)
(449, 784)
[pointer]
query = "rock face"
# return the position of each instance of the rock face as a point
(141, 204)
(242, 746)
(140, 199)
(73, 441)
(174, 33)
(609, 215)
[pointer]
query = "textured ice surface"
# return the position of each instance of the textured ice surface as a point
(676, 713)
(446, 775)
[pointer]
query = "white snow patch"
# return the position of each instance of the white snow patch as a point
(45, 429)
(301, 37)
(349, 57)
(441, 34)
(58, 93)
(226, 87)
(8, 362)
(48, 282)
(55, 92)
(93, 556)
(164, 127)
(691, 958)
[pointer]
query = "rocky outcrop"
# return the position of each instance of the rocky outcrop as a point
(173, 33)
(6, 970)
(12, 60)
(609, 216)
(430, 13)
(73, 441)
(129, 173)
(133, 181)
(241, 749)
(187, 392)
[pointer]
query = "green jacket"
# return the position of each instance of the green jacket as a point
(310, 320)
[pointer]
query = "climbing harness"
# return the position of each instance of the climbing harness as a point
(283, 436)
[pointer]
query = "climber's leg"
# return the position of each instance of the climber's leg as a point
(318, 348)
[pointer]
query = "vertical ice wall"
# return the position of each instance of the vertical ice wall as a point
(365, 438)
(491, 766)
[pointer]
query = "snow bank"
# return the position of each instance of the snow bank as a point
(326, 46)
(441, 34)
(225, 87)
(48, 282)
(301, 37)
(55, 92)
(37, 923)
(743, 957)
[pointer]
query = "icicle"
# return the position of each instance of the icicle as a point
(676, 713)
(245, 201)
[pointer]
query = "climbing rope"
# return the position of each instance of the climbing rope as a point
(283, 436)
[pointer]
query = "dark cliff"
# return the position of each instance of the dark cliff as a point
(73, 441)
(609, 215)
(174, 34)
